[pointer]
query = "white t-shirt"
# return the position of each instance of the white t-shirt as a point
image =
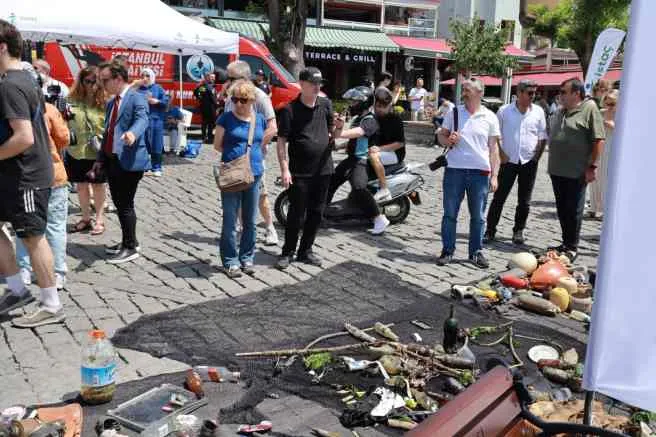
(520, 133)
(472, 152)
(417, 105)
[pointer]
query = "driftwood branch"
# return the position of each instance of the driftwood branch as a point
(339, 334)
(289, 352)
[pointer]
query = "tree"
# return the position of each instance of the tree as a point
(549, 23)
(286, 35)
(588, 19)
(479, 49)
(576, 24)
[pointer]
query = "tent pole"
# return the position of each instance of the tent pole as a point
(587, 407)
(180, 75)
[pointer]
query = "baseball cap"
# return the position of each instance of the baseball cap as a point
(259, 72)
(311, 74)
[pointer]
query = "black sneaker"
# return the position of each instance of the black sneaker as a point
(309, 258)
(10, 302)
(572, 254)
(125, 255)
(560, 249)
(518, 237)
(488, 237)
(233, 272)
(444, 259)
(283, 262)
(479, 260)
(117, 248)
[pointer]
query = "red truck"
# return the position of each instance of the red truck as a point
(67, 60)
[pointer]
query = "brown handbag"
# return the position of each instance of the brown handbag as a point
(237, 175)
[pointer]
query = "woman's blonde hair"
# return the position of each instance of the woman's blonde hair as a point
(244, 89)
(80, 94)
(613, 96)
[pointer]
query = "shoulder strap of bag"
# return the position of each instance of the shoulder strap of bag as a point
(251, 130)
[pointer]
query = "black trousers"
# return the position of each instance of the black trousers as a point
(355, 171)
(570, 202)
(526, 174)
(307, 196)
(123, 187)
(207, 127)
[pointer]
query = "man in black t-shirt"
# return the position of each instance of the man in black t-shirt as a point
(206, 95)
(307, 125)
(26, 175)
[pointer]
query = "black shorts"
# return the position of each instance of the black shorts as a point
(26, 210)
(77, 170)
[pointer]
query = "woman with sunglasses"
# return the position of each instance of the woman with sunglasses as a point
(598, 186)
(87, 99)
(231, 140)
(158, 103)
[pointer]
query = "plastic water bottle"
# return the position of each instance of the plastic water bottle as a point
(216, 374)
(98, 369)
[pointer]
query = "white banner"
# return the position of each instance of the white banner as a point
(621, 355)
(604, 52)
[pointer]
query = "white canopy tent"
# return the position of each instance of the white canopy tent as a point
(133, 24)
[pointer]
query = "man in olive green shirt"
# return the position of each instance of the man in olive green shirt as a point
(577, 139)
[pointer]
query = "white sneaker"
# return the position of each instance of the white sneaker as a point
(382, 194)
(380, 224)
(271, 237)
(157, 173)
(26, 276)
(60, 281)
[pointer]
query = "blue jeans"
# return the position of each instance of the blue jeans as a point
(156, 142)
(457, 182)
(55, 232)
(247, 200)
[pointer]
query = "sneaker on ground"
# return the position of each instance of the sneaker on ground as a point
(60, 281)
(248, 268)
(233, 272)
(479, 260)
(26, 276)
(117, 248)
(157, 173)
(271, 236)
(125, 255)
(283, 262)
(444, 259)
(382, 194)
(309, 258)
(42, 316)
(518, 237)
(9, 301)
(380, 224)
(488, 237)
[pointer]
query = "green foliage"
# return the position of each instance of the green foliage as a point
(317, 361)
(479, 49)
(550, 22)
(339, 106)
(398, 110)
(255, 7)
(643, 416)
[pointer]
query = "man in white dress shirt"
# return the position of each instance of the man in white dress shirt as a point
(523, 137)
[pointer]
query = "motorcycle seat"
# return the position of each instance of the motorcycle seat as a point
(395, 168)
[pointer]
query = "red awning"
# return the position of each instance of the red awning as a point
(440, 46)
(422, 44)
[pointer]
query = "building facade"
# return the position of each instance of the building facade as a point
(504, 13)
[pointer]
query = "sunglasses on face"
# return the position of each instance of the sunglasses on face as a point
(530, 93)
(89, 81)
(242, 100)
(233, 78)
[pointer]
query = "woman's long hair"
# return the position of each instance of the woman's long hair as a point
(81, 94)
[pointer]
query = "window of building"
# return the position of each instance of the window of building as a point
(422, 20)
(509, 27)
(352, 12)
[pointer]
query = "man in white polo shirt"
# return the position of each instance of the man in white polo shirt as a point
(473, 166)
(523, 137)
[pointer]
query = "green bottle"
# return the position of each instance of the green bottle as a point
(450, 339)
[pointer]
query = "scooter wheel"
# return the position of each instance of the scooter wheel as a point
(397, 210)
(281, 207)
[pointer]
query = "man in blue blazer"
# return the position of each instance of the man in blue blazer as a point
(124, 156)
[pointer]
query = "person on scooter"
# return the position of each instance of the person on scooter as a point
(354, 168)
(389, 148)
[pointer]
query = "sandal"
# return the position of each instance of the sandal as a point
(98, 229)
(82, 225)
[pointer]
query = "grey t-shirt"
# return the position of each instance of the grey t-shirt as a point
(262, 105)
(572, 135)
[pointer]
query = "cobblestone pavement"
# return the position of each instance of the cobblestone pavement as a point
(179, 218)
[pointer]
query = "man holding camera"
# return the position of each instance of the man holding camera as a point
(524, 135)
(472, 168)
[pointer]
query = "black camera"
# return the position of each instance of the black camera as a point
(439, 162)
